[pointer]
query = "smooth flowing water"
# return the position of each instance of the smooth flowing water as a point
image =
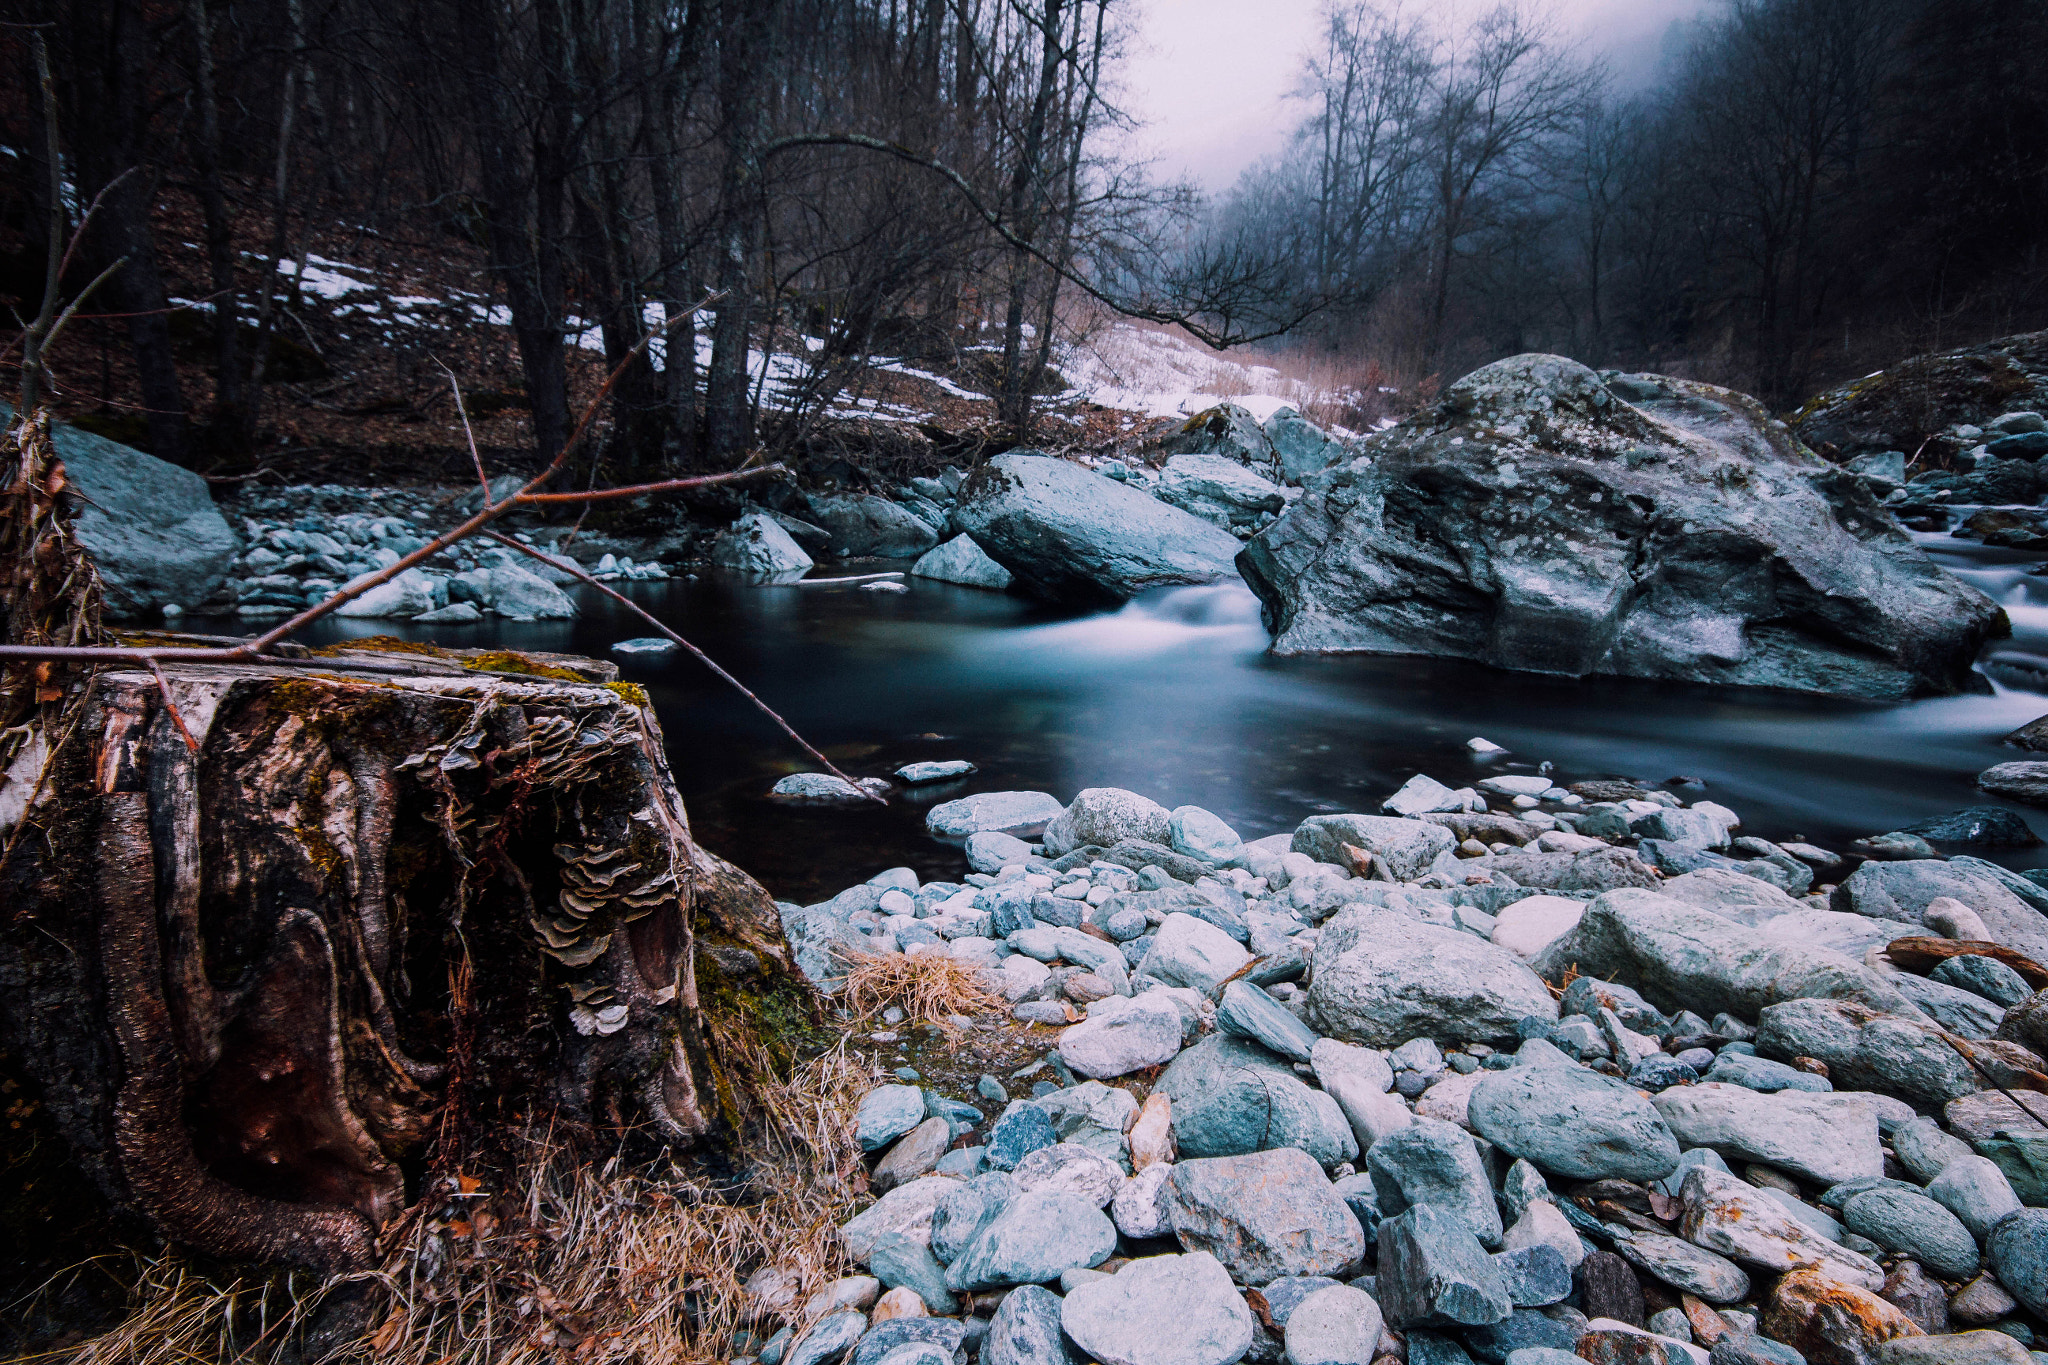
(1174, 696)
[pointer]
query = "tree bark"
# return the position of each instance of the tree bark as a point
(270, 980)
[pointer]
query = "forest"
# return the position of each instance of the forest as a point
(1803, 190)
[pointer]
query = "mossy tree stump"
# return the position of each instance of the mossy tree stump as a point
(267, 977)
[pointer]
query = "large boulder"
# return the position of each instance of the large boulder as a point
(1218, 490)
(518, 595)
(1160, 1310)
(1826, 1138)
(961, 561)
(1231, 1096)
(1915, 402)
(862, 525)
(1537, 518)
(151, 527)
(1407, 846)
(1106, 816)
(1300, 447)
(1382, 978)
(1683, 957)
(758, 546)
(1866, 1050)
(1226, 430)
(1071, 535)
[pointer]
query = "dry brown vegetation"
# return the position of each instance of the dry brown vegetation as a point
(930, 988)
(555, 1260)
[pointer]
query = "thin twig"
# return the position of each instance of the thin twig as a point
(163, 685)
(702, 657)
(483, 479)
(1967, 1055)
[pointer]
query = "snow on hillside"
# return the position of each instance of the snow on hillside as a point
(1162, 373)
(1139, 369)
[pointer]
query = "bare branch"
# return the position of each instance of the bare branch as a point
(702, 658)
(1131, 308)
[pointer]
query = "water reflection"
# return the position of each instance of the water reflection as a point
(1175, 696)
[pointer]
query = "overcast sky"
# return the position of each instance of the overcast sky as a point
(1210, 77)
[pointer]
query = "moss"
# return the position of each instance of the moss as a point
(778, 1009)
(507, 661)
(633, 693)
(320, 849)
(381, 644)
(324, 703)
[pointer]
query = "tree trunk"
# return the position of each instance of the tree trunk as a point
(270, 979)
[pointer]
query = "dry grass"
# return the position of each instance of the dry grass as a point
(559, 1260)
(931, 988)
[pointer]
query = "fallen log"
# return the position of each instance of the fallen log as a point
(273, 977)
(1923, 954)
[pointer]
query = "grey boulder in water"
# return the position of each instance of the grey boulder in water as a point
(758, 546)
(1067, 534)
(1539, 518)
(151, 527)
(961, 561)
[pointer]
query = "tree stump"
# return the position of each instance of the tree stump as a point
(279, 941)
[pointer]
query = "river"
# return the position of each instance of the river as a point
(1174, 696)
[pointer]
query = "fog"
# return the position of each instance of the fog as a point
(1209, 79)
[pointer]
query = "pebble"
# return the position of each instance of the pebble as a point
(902, 1302)
(914, 1155)
(1574, 1123)
(1283, 1295)
(1143, 1205)
(1727, 1216)
(1160, 1310)
(1543, 1224)
(1913, 1223)
(1964, 1348)
(886, 1113)
(1908, 1288)
(1249, 1012)
(1746, 1348)
(2018, 1248)
(1925, 1150)
(1434, 1273)
(1151, 1132)
(1536, 1275)
(1334, 1326)
(913, 1341)
(1265, 1215)
(1123, 1034)
(902, 1262)
(1609, 1289)
(829, 1337)
(1685, 1267)
(1829, 1322)
(907, 1208)
(1982, 1300)
(1976, 1191)
(1031, 1240)
(1071, 1168)
(1026, 1330)
(1433, 1163)
(1021, 1129)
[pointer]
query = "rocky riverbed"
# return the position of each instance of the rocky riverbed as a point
(1511, 1074)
